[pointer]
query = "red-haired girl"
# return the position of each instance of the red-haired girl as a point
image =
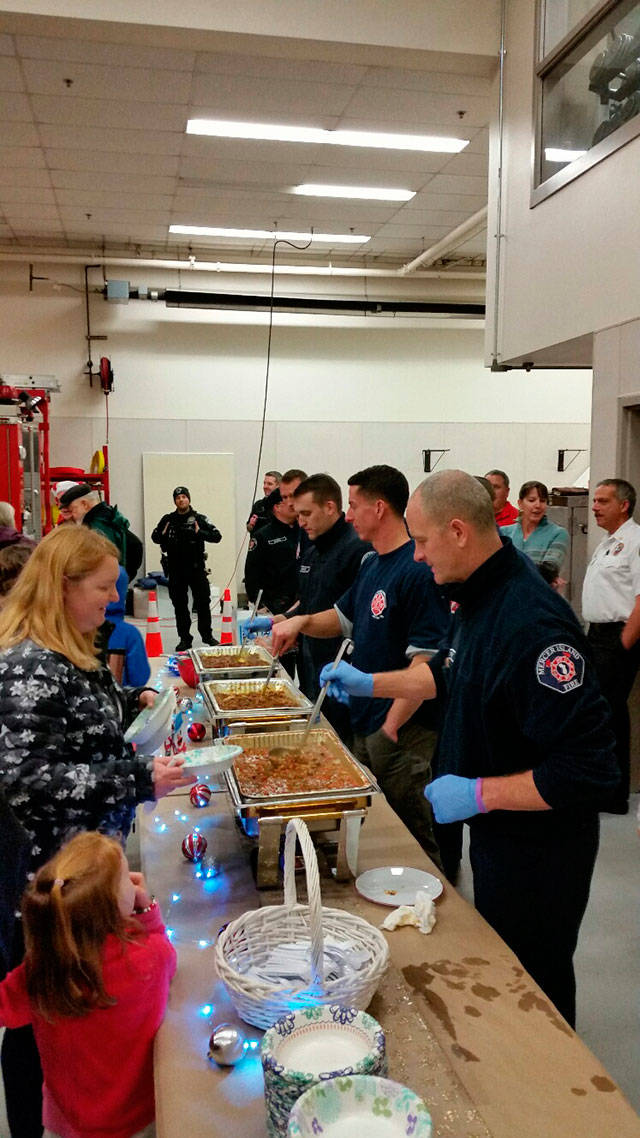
(94, 984)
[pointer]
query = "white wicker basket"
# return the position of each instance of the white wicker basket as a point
(244, 946)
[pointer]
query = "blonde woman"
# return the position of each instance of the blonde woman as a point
(64, 765)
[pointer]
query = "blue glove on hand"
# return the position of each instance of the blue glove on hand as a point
(252, 627)
(454, 798)
(344, 680)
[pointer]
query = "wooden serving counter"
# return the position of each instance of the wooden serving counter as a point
(467, 1028)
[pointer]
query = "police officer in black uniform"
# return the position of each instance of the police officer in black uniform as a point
(272, 557)
(326, 569)
(525, 741)
(181, 536)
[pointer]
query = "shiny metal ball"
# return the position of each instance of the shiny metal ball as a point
(226, 1045)
(200, 794)
(185, 704)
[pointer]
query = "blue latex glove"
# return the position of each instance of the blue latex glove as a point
(252, 627)
(454, 798)
(345, 680)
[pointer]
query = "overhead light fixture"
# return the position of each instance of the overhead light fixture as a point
(273, 132)
(271, 235)
(557, 154)
(375, 193)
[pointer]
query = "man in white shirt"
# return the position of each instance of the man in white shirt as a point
(611, 604)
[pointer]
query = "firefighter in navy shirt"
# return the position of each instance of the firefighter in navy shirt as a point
(396, 617)
(525, 737)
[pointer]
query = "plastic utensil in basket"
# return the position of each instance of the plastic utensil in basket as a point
(247, 945)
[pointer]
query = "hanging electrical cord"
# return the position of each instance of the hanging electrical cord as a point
(301, 249)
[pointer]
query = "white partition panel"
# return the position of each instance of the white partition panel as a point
(210, 479)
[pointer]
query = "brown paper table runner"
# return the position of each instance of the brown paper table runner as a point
(466, 1028)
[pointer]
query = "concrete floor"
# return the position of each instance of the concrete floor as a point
(608, 955)
(607, 960)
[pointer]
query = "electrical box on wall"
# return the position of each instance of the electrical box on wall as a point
(118, 292)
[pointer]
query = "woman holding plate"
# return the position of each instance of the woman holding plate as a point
(64, 764)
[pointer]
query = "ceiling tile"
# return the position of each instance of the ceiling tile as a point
(268, 67)
(108, 113)
(292, 101)
(14, 107)
(27, 194)
(92, 82)
(464, 163)
(440, 82)
(19, 134)
(113, 180)
(21, 156)
(6, 45)
(32, 207)
(23, 176)
(93, 138)
(95, 199)
(96, 161)
(468, 203)
(10, 77)
(270, 175)
(450, 184)
(109, 54)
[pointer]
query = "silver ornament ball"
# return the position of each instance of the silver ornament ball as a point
(226, 1045)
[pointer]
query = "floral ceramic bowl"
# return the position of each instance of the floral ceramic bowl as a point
(359, 1104)
(312, 1045)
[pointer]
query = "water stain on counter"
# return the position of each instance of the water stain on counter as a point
(485, 992)
(603, 1084)
(578, 1091)
(532, 1002)
(464, 1053)
(471, 1011)
(474, 960)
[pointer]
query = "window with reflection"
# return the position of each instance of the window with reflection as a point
(589, 86)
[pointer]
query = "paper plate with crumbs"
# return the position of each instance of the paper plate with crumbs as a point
(395, 885)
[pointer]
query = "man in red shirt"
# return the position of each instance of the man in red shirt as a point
(505, 513)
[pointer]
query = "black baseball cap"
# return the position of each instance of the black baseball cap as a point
(181, 490)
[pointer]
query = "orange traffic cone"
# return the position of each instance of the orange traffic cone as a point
(226, 636)
(153, 641)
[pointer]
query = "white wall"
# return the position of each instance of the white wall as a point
(569, 266)
(341, 396)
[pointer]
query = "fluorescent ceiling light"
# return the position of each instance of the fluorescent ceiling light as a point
(556, 154)
(377, 193)
(272, 132)
(271, 235)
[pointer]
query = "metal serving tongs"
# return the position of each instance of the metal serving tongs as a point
(295, 752)
(270, 674)
(252, 612)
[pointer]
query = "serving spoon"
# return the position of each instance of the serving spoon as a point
(295, 752)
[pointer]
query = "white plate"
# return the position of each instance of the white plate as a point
(208, 762)
(152, 720)
(395, 885)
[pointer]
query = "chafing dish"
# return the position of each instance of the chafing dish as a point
(222, 661)
(338, 813)
(297, 705)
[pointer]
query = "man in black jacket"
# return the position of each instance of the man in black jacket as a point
(526, 752)
(272, 557)
(181, 536)
(326, 569)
